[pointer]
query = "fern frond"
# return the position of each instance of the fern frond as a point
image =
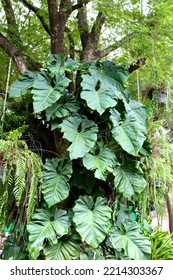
(21, 182)
(20, 179)
(3, 208)
(32, 199)
(35, 180)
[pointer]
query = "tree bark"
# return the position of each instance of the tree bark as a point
(58, 20)
(170, 211)
(13, 52)
(90, 39)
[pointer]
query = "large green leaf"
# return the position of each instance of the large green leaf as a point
(23, 84)
(116, 72)
(92, 220)
(62, 108)
(56, 63)
(56, 174)
(82, 133)
(130, 134)
(47, 90)
(98, 92)
(138, 110)
(101, 159)
(131, 240)
(46, 225)
(67, 248)
(129, 181)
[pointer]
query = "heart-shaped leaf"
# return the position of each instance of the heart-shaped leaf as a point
(131, 240)
(129, 182)
(130, 134)
(46, 226)
(67, 248)
(56, 174)
(92, 219)
(99, 93)
(23, 84)
(138, 110)
(62, 108)
(82, 133)
(101, 159)
(45, 93)
(116, 72)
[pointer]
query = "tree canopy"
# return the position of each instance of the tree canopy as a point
(86, 30)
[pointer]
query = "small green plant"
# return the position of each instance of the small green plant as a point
(161, 245)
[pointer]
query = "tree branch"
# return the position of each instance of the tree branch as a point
(140, 62)
(65, 6)
(83, 25)
(13, 31)
(53, 19)
(90, 40)
(117, 45)
(14, 52)
(96, 29)
(37, 11)
(80, 4)
(71, 43)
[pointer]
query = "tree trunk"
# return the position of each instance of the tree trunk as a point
(170, 212)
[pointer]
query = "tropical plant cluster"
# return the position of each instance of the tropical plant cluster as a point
(84, 192)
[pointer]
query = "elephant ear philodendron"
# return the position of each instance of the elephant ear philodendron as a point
(98, 92)
(45, 93)
(129, 181)
(67, 248)
(129, 238)
(47, 225)
(129, 133)
(82, 133)
(102, 159)
(92, 220)
(56, 175)
(92, 120)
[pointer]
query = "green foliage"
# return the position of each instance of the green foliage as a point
(97, 219)
(81, 132)
(129, 181)
(47, 91)
(105, 146)
(14, 249)
(130, 238)
(56, 174)
(161, 244)
(98, 92)
(46, 225)
(67, 248)
(92, 254)
(158, 167)
(22, 85)
(129, 133)
(101, 159)
(62, 108)
(21, 179)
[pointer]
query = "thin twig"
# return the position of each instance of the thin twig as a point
(6, 94)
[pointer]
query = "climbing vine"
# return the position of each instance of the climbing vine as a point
(89, 189)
